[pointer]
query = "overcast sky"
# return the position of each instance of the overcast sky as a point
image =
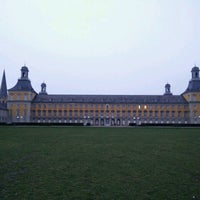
(100, 46)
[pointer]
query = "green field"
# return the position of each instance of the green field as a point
(50, 163)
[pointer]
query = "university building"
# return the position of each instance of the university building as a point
(22, 104)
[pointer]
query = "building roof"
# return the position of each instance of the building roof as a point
(23, 85)
(194, 83)
(193, 86)
(195, 68)
(24, 68)
(148, 99)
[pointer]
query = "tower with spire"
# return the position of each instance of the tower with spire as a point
(3, 91)
(3, 99)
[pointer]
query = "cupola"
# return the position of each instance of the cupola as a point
(195, 73)
(23, 83)
(43, 88)
(24, 72)
(168, 89)
(194, 83)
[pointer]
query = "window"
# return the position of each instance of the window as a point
(179, 114)
(18, 97)
(162, 114)
(186, 114)
(60, 113)
(17, 113)
(81, 113)
(44, 113)
(145, 113)
(129, 114)
(167, 113)
(156, 113)
(39, 113)
(173, 113)
(91, 113)
(33, 113)
(54, 113)
(24, 114)
(70, 113)
(49, 113)
(25, 97)
(140, 113)
(112, 113)
(195, 114)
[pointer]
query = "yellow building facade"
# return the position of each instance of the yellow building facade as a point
(25, 105)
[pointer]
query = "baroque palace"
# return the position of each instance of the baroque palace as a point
(22, 104)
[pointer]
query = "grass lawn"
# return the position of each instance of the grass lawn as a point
(50, 163)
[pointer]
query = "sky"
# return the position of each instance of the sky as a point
(129, 47)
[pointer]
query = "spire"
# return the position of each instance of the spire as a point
(3, 91)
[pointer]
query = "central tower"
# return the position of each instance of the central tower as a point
(20, 98)
(192, 95)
